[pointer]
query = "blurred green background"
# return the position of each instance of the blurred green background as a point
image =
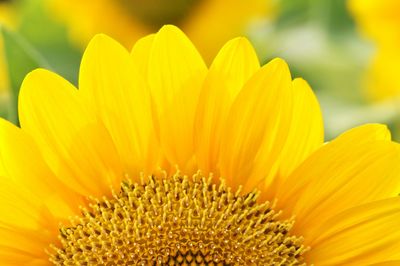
(318, 38)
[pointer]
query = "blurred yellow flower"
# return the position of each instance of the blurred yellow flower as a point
(286, 199)
(382, 80)
(7, 18)
(209, 23)
(379, 20)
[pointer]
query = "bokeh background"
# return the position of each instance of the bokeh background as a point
(349, 51)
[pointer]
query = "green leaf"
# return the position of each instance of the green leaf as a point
(21, 58)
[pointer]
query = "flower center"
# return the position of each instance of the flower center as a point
(179, 221)
(157, 13)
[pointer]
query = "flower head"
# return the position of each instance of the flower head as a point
(379, 20)
(208, 23)
(8, 19)
(157, 159)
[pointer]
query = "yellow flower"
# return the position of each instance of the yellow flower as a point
(382, 80)
(209, 23)
(285, 199)
(7, 18)
(379, 20)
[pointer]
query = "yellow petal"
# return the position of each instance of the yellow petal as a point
(35, 178)
(74, 144)
(366, 133)
(18, 149)
(233, 66)
(21, 246)
(19, 253)
(378, 20)
(349, 171)
(362, 235)
(19, 207)
(26, 225)
(141, 53)
(117, 92)
(176, 73)
(387, 263)
(257, 126)
(32, 201)
(306, 132)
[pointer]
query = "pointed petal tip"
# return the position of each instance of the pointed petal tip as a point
(278, 60)
(302, 84)
(278, 63)
(170, 29)
(242, 42)
(239, 47)
(301, 81)
(100, 36)
(100, 40)
(96, 39)
(378, 131)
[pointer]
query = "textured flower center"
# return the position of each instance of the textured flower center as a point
(179, 221)
(156, 13)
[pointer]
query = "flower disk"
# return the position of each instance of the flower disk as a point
(179, 221)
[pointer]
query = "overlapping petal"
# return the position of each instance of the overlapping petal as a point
(32, 200)
(116, 90)
(257, 126)
(176, 73)
(233, 66)
(74, 143)
(362, 235)
(358, 167)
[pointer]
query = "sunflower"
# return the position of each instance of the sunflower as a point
(7, 19)
(209, 23)
(379, 20)
(158, 160)
(382, 82)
